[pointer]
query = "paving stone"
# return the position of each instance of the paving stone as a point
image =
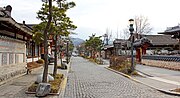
(88, 80)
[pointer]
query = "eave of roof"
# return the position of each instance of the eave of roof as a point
(171, 31)
(161, 39)
(13, 22)
(168, 33)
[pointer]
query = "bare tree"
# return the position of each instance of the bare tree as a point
(125, 33)
(141, 25)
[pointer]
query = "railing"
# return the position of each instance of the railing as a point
(162, 58)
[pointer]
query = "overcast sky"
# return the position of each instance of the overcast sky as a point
(95, 16)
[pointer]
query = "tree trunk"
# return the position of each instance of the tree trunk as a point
(38, 51)
(61, 57)
(67, 54)
(55, 56)
(32, 51)
(91, 54)
(45, 73)
(55, 51)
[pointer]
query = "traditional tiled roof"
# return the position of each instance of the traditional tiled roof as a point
(171, 30)
(31, 25)
(124, 42)
(107, 47)
(141, 42)
(7, 21)
(161, 39)
(25, 26)
(15, 24)
(119, 41)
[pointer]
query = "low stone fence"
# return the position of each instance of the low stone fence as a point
(162, 64)
(162, 57)
(10, 71)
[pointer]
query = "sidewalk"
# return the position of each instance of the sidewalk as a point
(159, 78)
(11, 71)
(105, 63)
(16, 87)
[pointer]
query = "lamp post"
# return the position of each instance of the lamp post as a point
(131, 29)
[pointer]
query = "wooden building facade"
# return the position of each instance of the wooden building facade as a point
(16, 44)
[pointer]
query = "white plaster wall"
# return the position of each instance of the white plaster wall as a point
(25, 53)
(14, 58)
(21, 57)
(30, 59)
(7, 58)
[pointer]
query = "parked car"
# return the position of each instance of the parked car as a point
(74, 54)
(50, 58)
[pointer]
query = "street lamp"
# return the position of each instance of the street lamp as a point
(131, 29)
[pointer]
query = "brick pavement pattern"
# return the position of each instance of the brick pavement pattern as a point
(88, 80)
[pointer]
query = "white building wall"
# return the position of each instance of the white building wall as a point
(12, 51)
(0, 59)
(7, 58)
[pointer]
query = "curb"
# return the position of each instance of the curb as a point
(161, 90)
(125, 75)
(64, 82)
(36, 69)
(62, 90)
(12, 78)
(144, 73)
(23, 73)
(59, 93)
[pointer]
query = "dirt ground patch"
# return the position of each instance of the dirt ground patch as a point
(32, 65)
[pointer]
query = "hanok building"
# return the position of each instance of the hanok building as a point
(161, 42)
(148, 45)
(141, 46)
(32, 49)
(121, 46)
(174, 32)
(107, 51)
(15, 45)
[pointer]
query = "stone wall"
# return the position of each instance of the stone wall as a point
(10, 71)
(12, 58)
(12, 51)
(162, 64)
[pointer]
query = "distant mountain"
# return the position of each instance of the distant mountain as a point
(77, 41)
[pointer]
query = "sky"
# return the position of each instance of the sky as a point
(96, 16)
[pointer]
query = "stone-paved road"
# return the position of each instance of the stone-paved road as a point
(88, 80)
